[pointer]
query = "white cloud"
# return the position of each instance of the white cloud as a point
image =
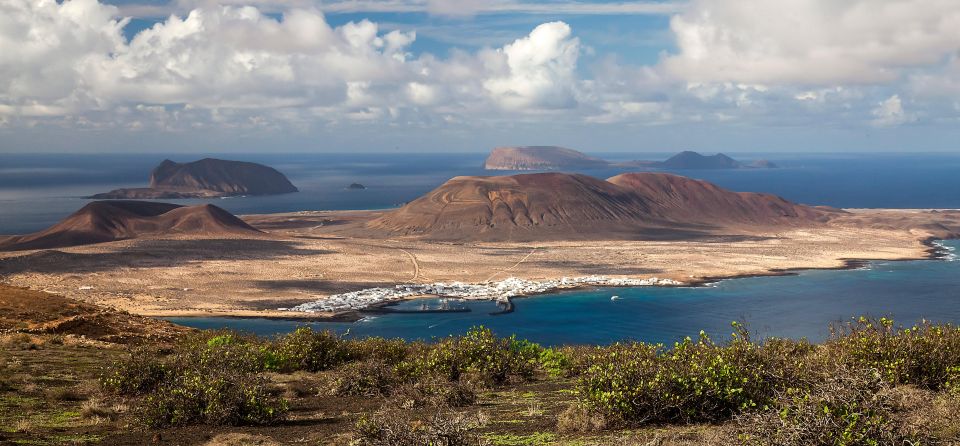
(537, 71)
(811, 42)
(46, 46)
(461, 8)
(889, 113)
(239, 66)
(238, 57)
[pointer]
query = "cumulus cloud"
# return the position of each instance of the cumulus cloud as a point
(811, 42)
(71, 60)
(45, 49)
(223, 65)
(537, 70)
(889, 113)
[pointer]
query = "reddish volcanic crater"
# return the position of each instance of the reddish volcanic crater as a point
(572, 206)
(106, 221)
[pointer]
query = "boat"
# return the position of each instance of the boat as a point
(614, 297)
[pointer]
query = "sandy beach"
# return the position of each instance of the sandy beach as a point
(307, 256)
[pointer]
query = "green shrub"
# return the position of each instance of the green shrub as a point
(371, 377)
(695, 381)
(432, 392)
(925, 355)
(847, 408)
(215, 382)
(479, 354)
(399, 428)
(139, 372)
(307, 350)
(209, 378)
(387, 351)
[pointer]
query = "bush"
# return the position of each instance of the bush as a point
(925, 355)
(435, 393)
(210, 378)
(216, 382)
(368, 378)
(307, 350)
(577, 418)
(479, 354)
(847, 408)
(398, 428)
(695, 381)
(141, 371)
(386, 351)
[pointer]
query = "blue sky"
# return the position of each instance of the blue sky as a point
(466, 75)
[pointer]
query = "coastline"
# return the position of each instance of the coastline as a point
(934, 252)
(307, 257)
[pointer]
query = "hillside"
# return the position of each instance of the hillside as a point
(572, 206)
(106, 221)
(684, 200)
(207, 178)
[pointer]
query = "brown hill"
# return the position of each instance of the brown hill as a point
(684, 200)
(573, 206)
(539, 158)
(207, 178)
(106, 221)
(28, 311)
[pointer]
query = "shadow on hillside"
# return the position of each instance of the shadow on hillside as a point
(154, 254)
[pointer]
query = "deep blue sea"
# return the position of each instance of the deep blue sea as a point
(39, 190)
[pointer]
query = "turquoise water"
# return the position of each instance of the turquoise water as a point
(802, 305)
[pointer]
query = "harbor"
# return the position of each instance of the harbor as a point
(501, 291)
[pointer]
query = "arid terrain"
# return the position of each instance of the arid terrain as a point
(164, 260)
(305, 256)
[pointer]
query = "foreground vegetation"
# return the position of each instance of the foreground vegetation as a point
(871, 383)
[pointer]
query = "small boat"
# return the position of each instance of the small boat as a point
(614, 297)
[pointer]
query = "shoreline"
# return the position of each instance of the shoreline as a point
(933, 252)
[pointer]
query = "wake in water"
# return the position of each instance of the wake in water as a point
(950, 251)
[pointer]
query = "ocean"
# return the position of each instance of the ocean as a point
(38, 190)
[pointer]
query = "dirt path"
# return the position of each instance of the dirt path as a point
(524, 259)
(416, 264)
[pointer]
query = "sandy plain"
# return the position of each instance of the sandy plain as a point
(306, 256)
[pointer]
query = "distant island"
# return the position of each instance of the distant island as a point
(356, 186)
(557, 158)
(206, 178)
(539, 158)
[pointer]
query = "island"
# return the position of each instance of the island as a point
(356, 186)
(472, 237)
(560, 158)
(540, 158)
(206, 178)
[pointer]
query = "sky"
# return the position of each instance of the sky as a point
(467, 75)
